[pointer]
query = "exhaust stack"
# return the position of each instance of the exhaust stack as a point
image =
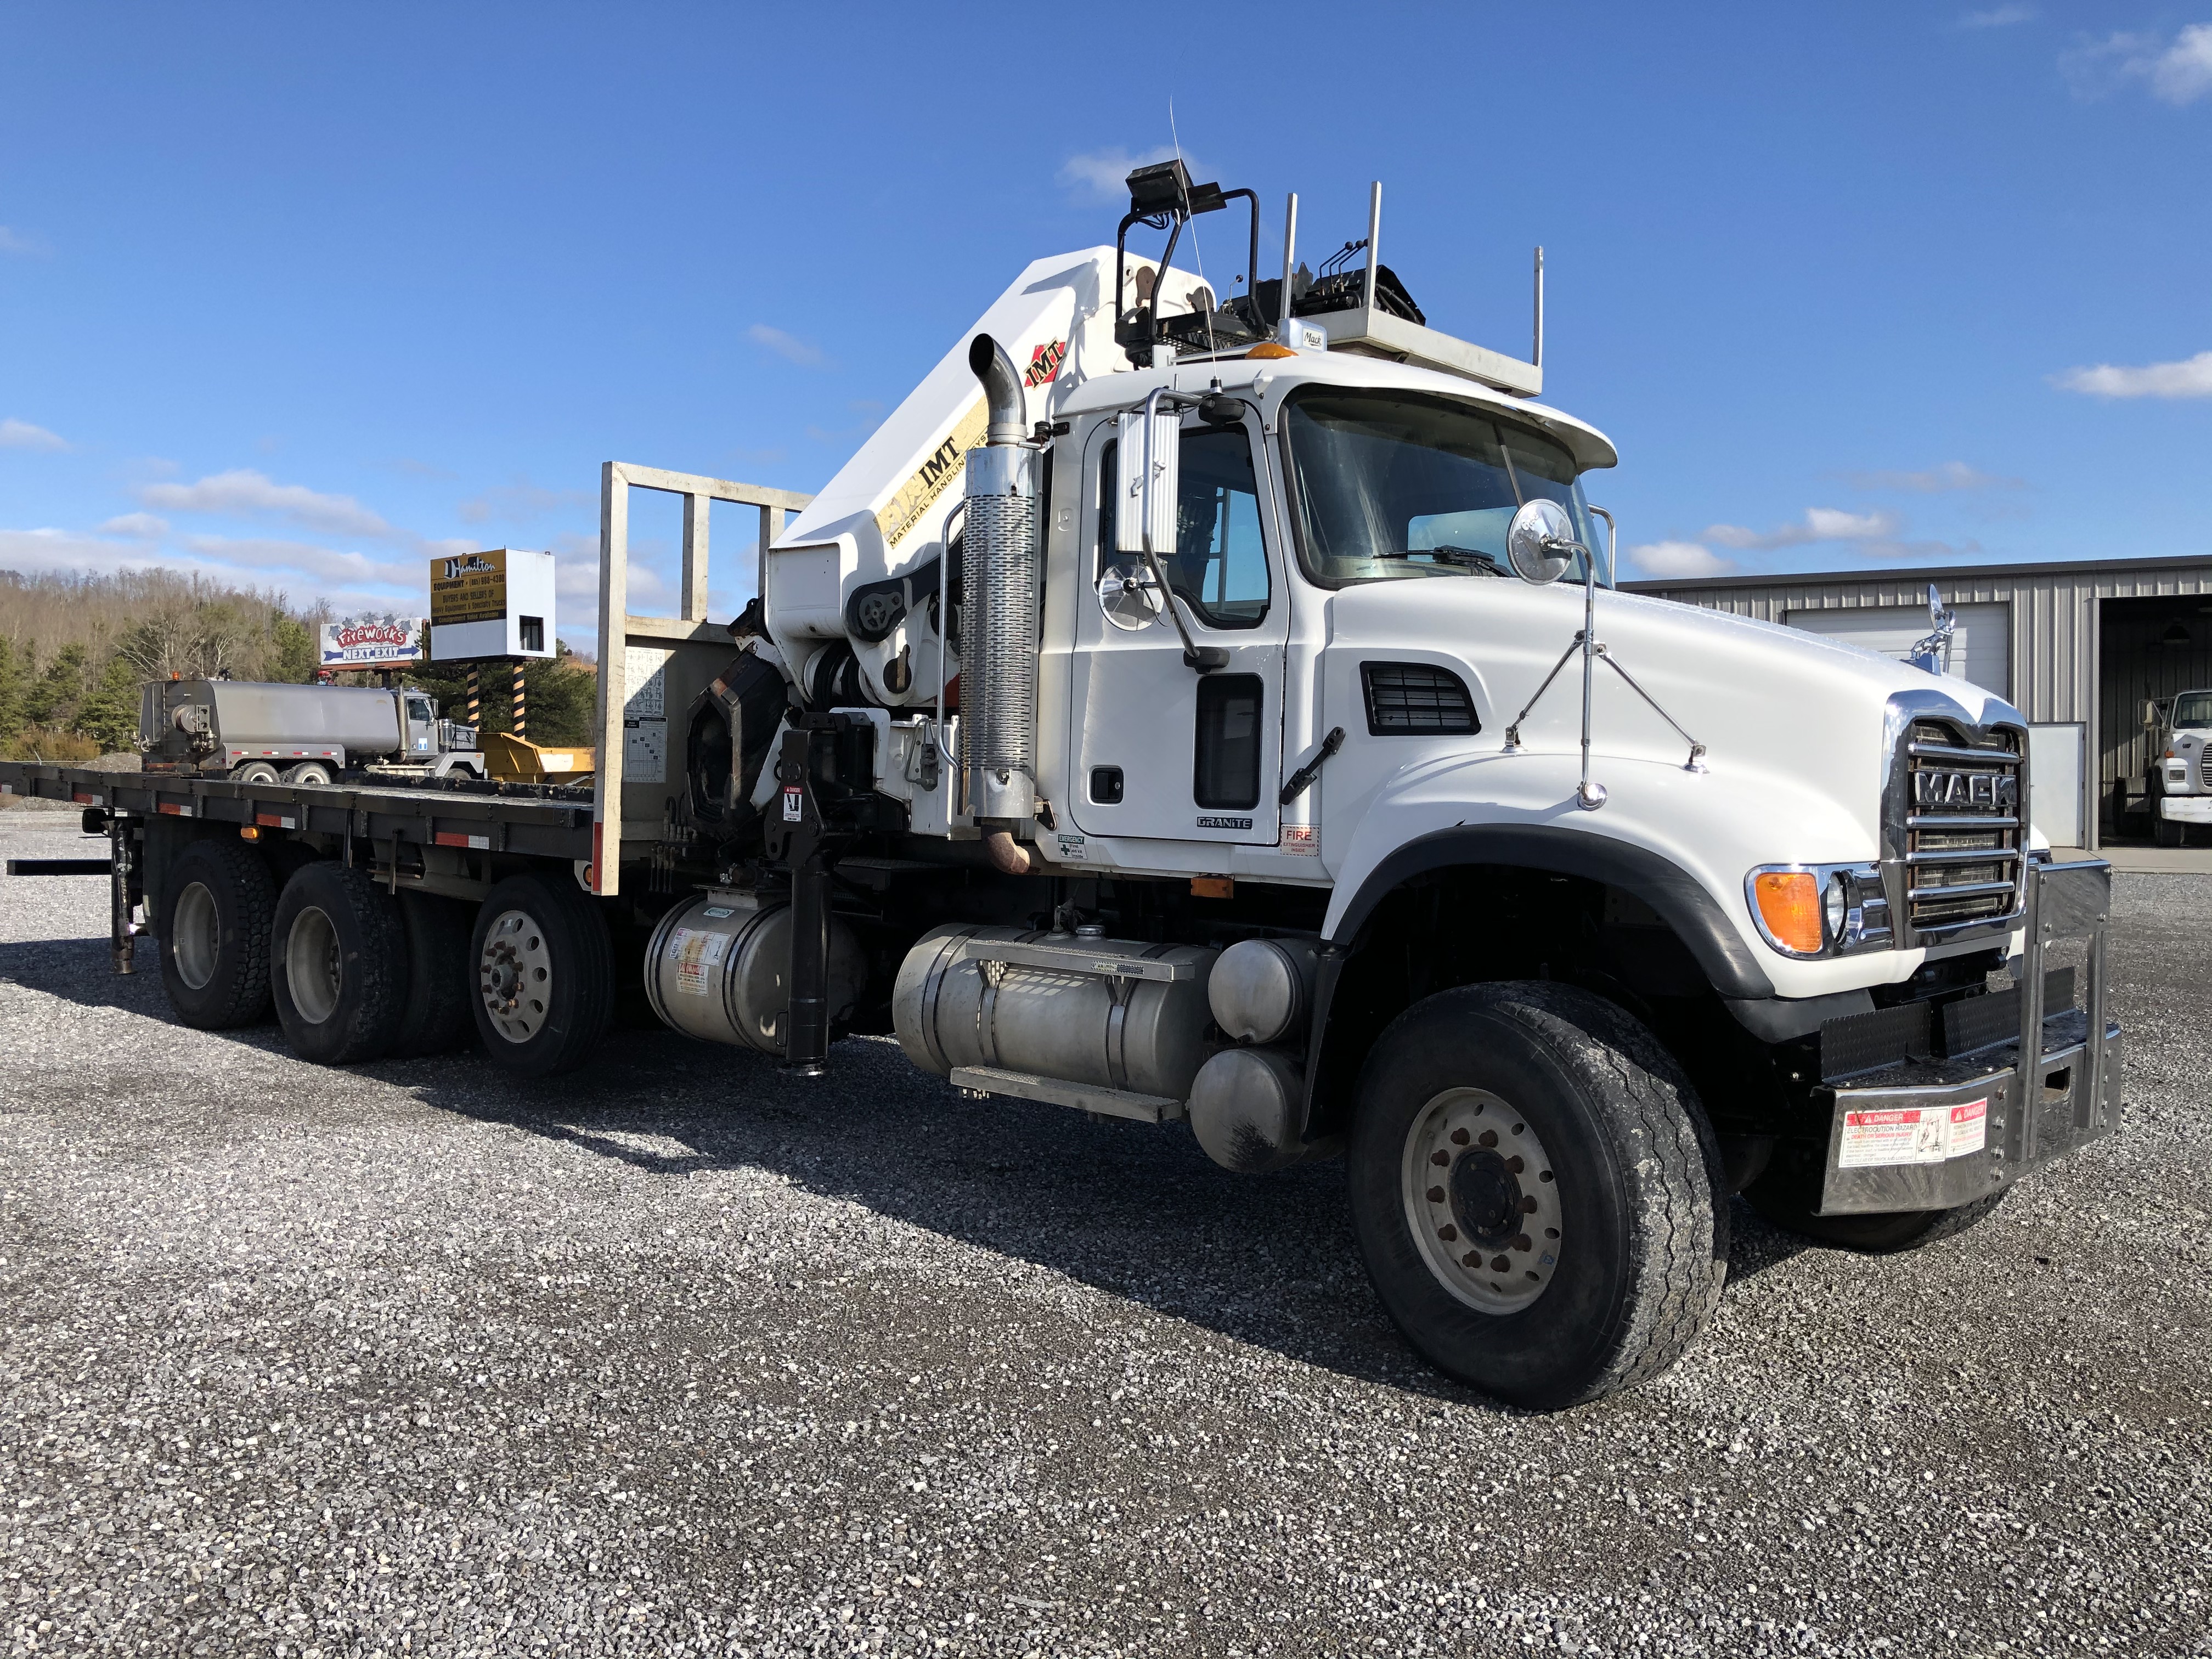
(999, 631)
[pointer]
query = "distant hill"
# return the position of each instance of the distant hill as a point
(74, 650)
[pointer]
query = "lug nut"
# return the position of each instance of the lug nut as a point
(1499, 1264)
(1439, 1158)
(1459, 1137)
(1436, 1195)
(1524, 1243)
(1471, 1259)
(1490, 1137)
(1514, 1164)
(1529, 1205)
(1448, 1233)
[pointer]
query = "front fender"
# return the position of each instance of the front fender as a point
(1682, 842)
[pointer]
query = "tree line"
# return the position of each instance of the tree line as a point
(75, 649)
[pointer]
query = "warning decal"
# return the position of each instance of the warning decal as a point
(697, 952)
(1912, 1134)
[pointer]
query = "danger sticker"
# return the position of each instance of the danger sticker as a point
(696, 953)
(793, 799)
(1912, 1134)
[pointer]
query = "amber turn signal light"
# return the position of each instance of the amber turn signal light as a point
(1790, 905)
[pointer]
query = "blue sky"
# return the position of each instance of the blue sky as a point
(300, 295)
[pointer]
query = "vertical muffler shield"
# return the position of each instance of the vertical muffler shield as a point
(1000, 575)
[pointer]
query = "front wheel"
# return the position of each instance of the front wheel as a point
(1536, 1192)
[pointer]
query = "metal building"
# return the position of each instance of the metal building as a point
(2078, 647)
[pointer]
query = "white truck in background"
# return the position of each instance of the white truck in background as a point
(2181, 773)
(1220, 713)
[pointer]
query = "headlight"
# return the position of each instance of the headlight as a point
(1809, 910)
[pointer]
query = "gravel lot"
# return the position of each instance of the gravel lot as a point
(685, 1355)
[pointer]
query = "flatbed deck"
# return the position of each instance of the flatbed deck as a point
(530, 820)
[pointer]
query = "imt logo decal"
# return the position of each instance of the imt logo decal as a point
(1044, 364)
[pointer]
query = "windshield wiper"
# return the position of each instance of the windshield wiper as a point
(1467, 558)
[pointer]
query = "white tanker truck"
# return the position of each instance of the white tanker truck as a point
(1220, 713)
(260, 731)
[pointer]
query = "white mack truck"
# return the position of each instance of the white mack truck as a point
(1219, 712)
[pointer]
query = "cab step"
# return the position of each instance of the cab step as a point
(1056, 1092)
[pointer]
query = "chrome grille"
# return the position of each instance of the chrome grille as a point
(2204, 772)
(1964, 792)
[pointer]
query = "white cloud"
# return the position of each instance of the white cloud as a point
(1822, 524)
(1678, 559)
(789, 346)
(310, 559)
(2179, 71)
(246, 492)
(1997, 17)
(30, 551)
(22, 435)
(521, 500)
(1104, 173)
(1936, 481)
(21, 241)
(144, 525)
(2190, 378)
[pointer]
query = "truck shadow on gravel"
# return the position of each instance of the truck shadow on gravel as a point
(1133, 1212)
(1137, 1212)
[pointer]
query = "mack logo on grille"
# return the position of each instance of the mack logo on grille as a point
(1989, 792)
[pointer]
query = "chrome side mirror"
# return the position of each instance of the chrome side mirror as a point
(1147, 459)
(1129, 597)
(1540, 542)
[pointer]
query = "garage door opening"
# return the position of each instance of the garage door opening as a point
(2146, 649)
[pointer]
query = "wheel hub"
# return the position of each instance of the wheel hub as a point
(515, 975)
(1481, 1200)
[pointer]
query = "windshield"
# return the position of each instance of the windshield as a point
(2193, 708)
(1393, 484)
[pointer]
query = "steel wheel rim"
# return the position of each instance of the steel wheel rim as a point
(257, 772)
(1481, 1200)
(314, 967)
(515, 975)
(197, 943)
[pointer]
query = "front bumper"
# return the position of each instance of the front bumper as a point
(1935, 1133)
(2185, 809)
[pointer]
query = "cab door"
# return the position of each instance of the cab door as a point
(1162, 750)
(422, 725)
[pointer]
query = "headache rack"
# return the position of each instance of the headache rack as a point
(1958, 827)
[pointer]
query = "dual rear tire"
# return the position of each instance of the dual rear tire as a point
(357, 973)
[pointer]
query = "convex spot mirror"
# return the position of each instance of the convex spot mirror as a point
(1128, 596)
(1540, 542)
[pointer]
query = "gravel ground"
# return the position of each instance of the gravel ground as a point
(686, 1356)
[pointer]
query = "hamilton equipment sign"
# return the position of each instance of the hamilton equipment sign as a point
(372, 641)
(468, 587)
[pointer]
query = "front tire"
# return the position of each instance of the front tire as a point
(1536, 1192)
(215, 935)
(340, 965)
(544, 976)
